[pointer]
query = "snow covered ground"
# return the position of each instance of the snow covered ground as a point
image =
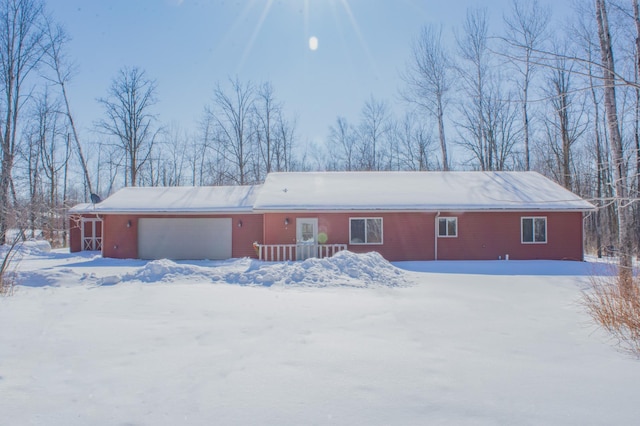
(353, 340)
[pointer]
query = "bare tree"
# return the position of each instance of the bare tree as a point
(30, 154)
(21, 49)
(526, 27)
(129, 119)
(110, 163)
(501, 132)
(492, 140)
(231, 116)
(172, 157)
(474, 51)
(617, 153)
(373, 129)
(284, 144)
(200, 150)
(567, 124)
(429, 79)
(267, 113)
(56, 59)
(342, 139)
(415, 144)
(51, 139)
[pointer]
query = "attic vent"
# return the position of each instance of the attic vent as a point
(285, 190)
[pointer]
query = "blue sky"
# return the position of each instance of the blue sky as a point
(189, 45)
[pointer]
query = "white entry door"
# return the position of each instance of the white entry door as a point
(306, 238)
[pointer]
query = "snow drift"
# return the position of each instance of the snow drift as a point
(34, 247)
(343, 269)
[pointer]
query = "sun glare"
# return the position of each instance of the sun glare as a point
(313, 43)
(265, 8)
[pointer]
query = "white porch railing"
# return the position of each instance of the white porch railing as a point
(284, 252)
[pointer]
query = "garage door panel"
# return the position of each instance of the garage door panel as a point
(177, 238)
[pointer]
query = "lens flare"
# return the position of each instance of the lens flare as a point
(313, 43)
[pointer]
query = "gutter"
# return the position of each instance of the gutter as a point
(153, 212)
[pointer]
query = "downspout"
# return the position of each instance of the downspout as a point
(435, 237)
(585, 216)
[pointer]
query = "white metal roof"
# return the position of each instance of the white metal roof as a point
(180, 199)
(395, 191)
(353, 191)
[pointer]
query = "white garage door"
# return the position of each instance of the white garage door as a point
(184, 238)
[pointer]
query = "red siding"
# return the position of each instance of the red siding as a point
(410, 236)
(75, 233)
(121, 241)
(486, 236)
(406, 236)
(244, 237)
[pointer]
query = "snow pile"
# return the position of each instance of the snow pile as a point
(162, 270)
(343, 269)
(62, 277)
(34, 247)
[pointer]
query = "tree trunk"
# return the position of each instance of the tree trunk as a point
(76, 139)
(443, 142)
(525, 123)
(617, 155)
(599, 165)
(636, 17)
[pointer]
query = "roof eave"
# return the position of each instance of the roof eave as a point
(157, 212)
(416, 210)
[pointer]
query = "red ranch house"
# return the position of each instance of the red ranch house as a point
(401, 215)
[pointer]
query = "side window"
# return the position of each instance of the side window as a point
(534, 230)
(447, 227)
(365, 230)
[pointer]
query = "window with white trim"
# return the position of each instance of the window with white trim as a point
(534, 230)
(447, 227)
(365, 230)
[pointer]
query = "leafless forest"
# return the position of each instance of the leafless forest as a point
(562, 100)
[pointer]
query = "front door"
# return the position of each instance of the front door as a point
(306, 238)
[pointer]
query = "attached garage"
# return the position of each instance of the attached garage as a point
(185, 238)
(180, 223)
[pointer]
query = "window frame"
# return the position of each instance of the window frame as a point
(366, 243)
(447, 219)
(533, 229)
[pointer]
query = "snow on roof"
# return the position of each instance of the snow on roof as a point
(181, 199)
(82, 208)
(432, 191)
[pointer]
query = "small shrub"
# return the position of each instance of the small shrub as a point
(7, 283)
(615, 306)
(7, 275)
